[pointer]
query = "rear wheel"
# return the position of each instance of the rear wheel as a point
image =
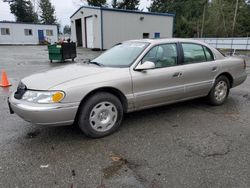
(219, 93)
(100, 115)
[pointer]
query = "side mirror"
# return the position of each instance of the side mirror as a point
(145, 66)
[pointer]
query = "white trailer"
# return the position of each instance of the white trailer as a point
(101, 27)
(14, 33)
(237, 43)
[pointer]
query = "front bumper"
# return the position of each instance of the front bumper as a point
(44, 114)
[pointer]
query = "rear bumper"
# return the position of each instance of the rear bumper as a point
(44, 114)
(240, 79)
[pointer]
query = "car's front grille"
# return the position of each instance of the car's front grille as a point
(20, 91)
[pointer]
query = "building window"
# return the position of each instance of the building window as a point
(157, 35)
(5, 31)
(28, 32)
(145, 35)
(49, 32)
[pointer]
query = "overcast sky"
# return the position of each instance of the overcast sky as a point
(64, 9)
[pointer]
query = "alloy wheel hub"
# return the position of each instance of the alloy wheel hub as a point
(103, 116)
(221, 90)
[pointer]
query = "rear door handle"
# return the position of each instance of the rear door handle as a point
(177, 74)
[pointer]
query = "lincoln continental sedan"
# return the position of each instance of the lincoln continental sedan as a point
(131, 76)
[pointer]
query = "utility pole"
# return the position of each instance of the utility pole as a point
(203, 19)
(235, 16)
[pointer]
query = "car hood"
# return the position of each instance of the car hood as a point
(57, 76)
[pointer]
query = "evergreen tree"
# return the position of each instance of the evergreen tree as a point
(114, 4)
(24, 11)
(66, 29)
(221, 18)
(243, 24)
(97, 3)
(47, 12)
(206, 18)
(129, 4)
(188, 15)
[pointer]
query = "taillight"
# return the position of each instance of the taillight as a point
(245, 65)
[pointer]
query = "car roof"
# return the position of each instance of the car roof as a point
(217, 54)
(168, 40)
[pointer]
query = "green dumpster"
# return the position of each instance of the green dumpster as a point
(61, 52)
(55, 52)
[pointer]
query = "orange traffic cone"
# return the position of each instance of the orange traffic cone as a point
(4, 82)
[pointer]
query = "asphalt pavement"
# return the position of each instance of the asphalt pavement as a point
(189, 144)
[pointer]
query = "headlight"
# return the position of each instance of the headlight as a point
(43, 97)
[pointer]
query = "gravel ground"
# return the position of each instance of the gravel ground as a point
(188, 144)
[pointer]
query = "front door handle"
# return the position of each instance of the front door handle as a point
(177, 74)
(214, 69)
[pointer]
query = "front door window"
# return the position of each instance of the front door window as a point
(164, 55)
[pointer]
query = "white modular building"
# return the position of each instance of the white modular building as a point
(101, 27)
(15, 33)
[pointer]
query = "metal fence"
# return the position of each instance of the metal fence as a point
(228, 43)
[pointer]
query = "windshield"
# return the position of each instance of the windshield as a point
(121, 55)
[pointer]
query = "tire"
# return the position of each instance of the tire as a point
(219, 93)
(100, 115)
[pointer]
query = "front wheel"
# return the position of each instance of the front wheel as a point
(100, 115)
(219, 93)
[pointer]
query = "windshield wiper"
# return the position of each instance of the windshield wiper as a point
(95, 63)
(88, 61)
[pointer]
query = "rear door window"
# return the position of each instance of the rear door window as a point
(209, 54)
(193, 53)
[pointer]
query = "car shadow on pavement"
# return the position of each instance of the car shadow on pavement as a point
(74, 132)
(134, 121)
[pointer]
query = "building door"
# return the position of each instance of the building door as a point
(79, 32)
(145, 35)
(40, 35)
(89, 32)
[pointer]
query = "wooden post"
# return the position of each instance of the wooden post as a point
(247, 43)
(203, 19)
(235, 16)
